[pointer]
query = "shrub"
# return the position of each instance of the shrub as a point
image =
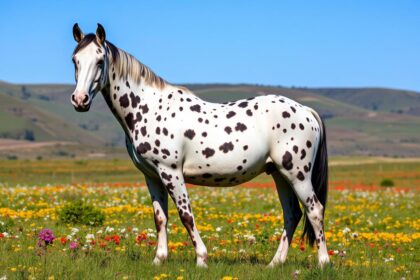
(78, 212)
(387, 183)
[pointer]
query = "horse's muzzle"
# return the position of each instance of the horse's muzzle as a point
(81, 102)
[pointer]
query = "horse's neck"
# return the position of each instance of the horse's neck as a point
(131, 101)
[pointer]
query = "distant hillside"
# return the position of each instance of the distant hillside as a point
(359, 121)
(376, 99)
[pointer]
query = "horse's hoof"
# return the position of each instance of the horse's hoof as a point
(157, 261)
(201, 264)
(270, 265)
(324, 261)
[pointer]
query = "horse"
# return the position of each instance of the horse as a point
(173, 137)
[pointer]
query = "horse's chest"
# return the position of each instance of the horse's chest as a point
(143, 165)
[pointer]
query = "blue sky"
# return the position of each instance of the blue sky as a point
(289, 43)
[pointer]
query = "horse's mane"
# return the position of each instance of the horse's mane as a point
(125, 64)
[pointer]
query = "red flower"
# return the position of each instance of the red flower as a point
(141, 237)
(116, 239)
(302, 247)
(331, 252)
(63, 240)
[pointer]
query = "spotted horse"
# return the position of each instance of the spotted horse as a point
(174, 138)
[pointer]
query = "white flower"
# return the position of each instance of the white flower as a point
(218, 229)
(69, 237)
(354, 235)
(90, 237)
(99, 231)
(135, 230)
(151, 234)
(74, 231)
(109, 229)
(5, 234)
(122, 230)
(346, 230)
(251, 238)
(388, 260)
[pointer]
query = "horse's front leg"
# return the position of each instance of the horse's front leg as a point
(159, 197)
(174, 182)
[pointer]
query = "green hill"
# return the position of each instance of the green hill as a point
(359, 121)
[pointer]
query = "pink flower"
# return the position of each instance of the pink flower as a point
(45, 237)
(73, 245)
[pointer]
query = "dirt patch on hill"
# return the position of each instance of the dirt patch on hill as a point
(10, 144)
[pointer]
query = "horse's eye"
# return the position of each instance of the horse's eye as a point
(100, 63)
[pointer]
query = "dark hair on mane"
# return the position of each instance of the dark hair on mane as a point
(125, 64)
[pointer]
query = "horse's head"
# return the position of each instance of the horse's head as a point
(90, 66)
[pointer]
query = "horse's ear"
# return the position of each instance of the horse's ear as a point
(77, 33)
(100, 34)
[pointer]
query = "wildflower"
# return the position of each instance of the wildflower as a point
(109, 229)
(90, 237)
(295, 274)
(45, 237)
(116, 239)
(63, 240)
(73, 245)
(346, 230)
(141, 237)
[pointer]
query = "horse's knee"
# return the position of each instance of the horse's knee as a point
(160, 220)
(315, 212)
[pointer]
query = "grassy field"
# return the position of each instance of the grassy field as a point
(372, 231)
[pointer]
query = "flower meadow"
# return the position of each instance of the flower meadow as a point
(371, 233)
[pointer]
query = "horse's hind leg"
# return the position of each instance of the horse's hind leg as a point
(314, 210)
(291, 217)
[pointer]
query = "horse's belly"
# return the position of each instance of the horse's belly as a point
(225, 170)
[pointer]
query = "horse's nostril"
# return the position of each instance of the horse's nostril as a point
(73, 98)
(85, 99)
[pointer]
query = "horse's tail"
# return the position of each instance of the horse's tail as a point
(319, 179)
